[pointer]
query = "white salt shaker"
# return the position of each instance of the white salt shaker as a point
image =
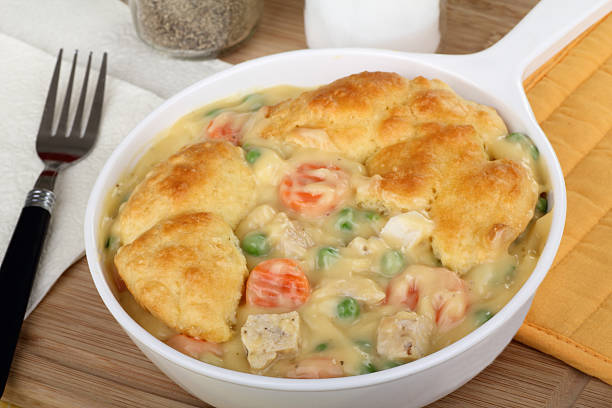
(402, 25)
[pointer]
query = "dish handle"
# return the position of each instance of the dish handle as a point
(543, 32)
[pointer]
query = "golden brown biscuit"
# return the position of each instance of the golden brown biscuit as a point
(188, 271)
(478, 206)
(211, 176)
(413, 170)
(433, 101)
(480, 212)
(366, 112)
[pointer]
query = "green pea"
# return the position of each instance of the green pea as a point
(321, 347)
(346, 219)
(326, 257)
(255, 100)
(348, 309)
(213, 112)
(510, 274)
(252, 155)
(517, 137)
(542, 205)
(111, 242)
(391, 364)
(534, 152)
(482, 316)
(368, 368)
(392, 263)
(255, 244)
(372, 216)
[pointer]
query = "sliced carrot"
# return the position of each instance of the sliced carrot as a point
(314, 189)
(227, 126)
(277, 283)
(316, 367)
(193, 347)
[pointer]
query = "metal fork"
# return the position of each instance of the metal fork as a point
(57, 151)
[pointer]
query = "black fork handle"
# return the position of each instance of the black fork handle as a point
(16, 277)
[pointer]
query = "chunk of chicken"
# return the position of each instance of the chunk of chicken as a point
(268, 336)
(361, 289)
(288, 237)
(404, 336)
(269, 168)
(367, 247)
(407, 230)
(256, 219)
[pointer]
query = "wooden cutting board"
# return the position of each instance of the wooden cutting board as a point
(73, 354)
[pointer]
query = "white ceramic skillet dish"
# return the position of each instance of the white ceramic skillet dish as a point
(492, 77)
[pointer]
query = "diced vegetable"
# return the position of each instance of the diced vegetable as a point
(372, 215)
(255, 101)
(542, 204)
(321, 347)
(348, 309)
(510, 274)
(517, 137)
(314, 189)
(391, 364)
(252, 155)
(227, 126)
(346, 219)
(213, 112)
(483, 316)
(112, 242)
(392, 263)
(534, 152)
(255, 244)
(277, 282)
(326, 257)
(367, 368)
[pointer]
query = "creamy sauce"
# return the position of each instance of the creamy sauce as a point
(346, 252)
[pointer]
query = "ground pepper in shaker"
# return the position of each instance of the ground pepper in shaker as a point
(195, 28)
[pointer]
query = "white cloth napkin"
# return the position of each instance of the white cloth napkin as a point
(31, 33)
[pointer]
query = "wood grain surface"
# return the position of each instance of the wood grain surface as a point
(73, 354)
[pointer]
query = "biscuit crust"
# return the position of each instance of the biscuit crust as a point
(188, 271)
(211, 176)
(366, 112)
(478, 206)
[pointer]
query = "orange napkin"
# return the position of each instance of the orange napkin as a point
(571, 97)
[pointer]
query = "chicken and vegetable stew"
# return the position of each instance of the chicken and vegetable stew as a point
(328, 232)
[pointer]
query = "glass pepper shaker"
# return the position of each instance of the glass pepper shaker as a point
(195, 28)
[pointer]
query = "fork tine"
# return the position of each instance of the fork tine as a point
(78, 117)
(46, 122)
(93, 123)
(63, 121)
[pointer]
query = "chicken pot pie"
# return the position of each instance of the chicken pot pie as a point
(327, 232)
